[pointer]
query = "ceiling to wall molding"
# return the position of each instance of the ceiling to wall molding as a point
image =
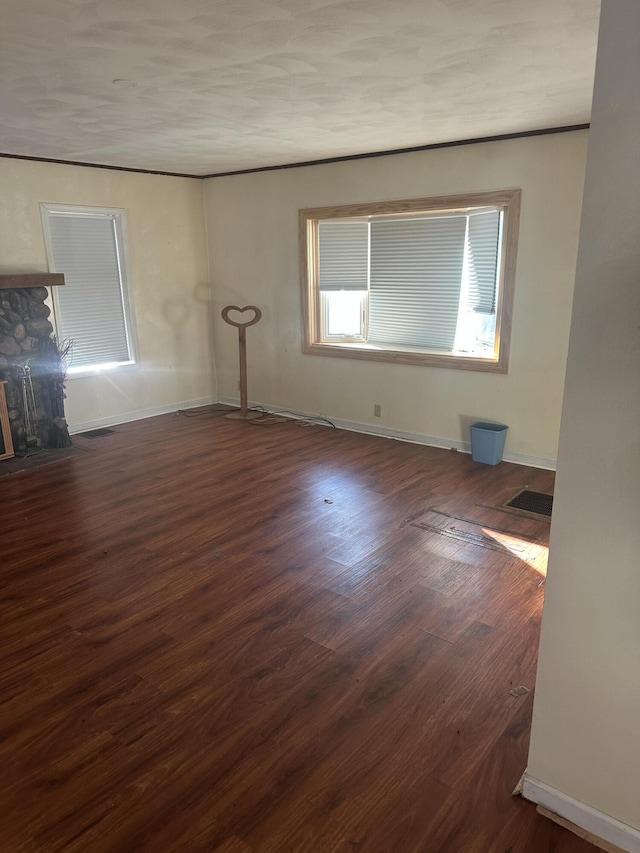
(209, 86)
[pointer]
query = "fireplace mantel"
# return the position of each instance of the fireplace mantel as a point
(35, 279)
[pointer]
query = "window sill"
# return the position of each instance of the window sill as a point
(417, 358)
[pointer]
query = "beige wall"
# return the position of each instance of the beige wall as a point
(253, 245)
(168, 273)
(586, 727)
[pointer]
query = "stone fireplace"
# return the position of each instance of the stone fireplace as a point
(31, 363)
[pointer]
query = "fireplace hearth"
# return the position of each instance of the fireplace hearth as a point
(31, 363)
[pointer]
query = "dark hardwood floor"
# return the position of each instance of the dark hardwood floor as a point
(218, 636)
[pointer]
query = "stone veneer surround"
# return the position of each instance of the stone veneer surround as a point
(30, 363)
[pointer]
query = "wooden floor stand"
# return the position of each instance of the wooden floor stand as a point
(244, 413)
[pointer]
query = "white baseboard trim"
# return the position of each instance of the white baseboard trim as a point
(581, 815)
(416, 438)
(137, 415)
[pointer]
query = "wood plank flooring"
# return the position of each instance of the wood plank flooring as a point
(232, 637)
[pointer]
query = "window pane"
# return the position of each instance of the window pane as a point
(476, 333)
(343, 312)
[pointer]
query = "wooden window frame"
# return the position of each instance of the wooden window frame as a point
(508, 200)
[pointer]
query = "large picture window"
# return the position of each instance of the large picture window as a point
(420, 281)
(93, 311)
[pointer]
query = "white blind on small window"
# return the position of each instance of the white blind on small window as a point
(482, 260)
(91, 302)
(415, 283)
(343, 255)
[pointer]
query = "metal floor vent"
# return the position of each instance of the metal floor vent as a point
(536, 502)
(97, 433)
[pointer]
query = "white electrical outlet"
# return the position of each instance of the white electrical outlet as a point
(377, 410)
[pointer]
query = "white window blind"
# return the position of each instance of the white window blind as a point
(416, 275)
(91, 306)
(482, 260)
(344, 255)
(420, 272)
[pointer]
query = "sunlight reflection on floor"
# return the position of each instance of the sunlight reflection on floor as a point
(530, 552)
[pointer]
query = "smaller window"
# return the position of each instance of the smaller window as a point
(344, 314)
(419, 281)
(93, 311)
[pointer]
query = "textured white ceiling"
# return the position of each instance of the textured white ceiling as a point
(223, 85)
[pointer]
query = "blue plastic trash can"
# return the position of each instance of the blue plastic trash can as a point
(487, 442)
